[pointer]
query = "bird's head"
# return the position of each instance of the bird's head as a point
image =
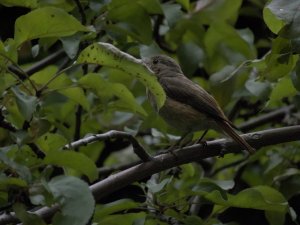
(163, 65)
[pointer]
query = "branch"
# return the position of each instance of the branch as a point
(39, 65)
(266, 118)
(191, 154)
(6, 125)
(137, 148)
(165, 161)
(81, 11)
(157, 37)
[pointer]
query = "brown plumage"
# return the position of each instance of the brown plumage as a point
(188, 106)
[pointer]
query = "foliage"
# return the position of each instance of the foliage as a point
(244, 52)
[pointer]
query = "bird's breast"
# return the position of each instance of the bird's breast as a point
(184, 117)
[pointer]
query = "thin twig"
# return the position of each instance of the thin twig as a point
(54, 57)
(39, 65)
(266, 118)
(17, 67)
(137, 148)
(158, 38)
(6, 125)
(81, 11)
(235, 163)
(79, 111)
(54, 77)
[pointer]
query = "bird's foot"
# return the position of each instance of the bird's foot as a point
(222, 153)
(171, 151)
(203, 143)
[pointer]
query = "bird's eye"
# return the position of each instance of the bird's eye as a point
(155, 61)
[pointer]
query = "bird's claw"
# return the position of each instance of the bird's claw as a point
(222, 153)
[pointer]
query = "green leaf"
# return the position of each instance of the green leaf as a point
(8, 182)
(224, 45)
(46, 22)
(279, 62)
(74, 160)
(193, 220)
(44, 75)
(71, 45)
(190, 55)
(275, 218)
(172, 13)
(26, 217)
(222, 84)
(21, 3)
(130, 19)
(21, 170)
(184, 3)
(155, 187)
(127, 219)
(6, 81)
(258, 88)
(284, 88)
(287, 11)
(77, 95)
(221, 10)
(295, 76)
(259, 197)
(26, 104)
(107, 55)
(51, 142)
(207, 186)
(275, 24)
(151, 6)
(9, 52)
(289, 182)
(114, 207)
(106, 91)
(62, 4)
(75, 198)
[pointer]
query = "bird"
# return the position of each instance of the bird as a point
(188, 107)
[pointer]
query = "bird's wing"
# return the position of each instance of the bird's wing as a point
(186, 91)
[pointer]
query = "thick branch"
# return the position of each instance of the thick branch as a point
(185, 155)
(191, 154)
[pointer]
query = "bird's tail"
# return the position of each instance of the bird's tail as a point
(231, 132)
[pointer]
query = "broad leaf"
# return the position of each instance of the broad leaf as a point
(26, 103)
(75, 198)
(26, 217)
(287, 11)
(114, 207)
(107, 55)
(51, 142)
(21, 3)
(131, 19)
(106, 91)
(19, 169)
(284, 88)
(77, 95)
(75, 160)
(8, 182)
(259, 197)
(46, 22)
